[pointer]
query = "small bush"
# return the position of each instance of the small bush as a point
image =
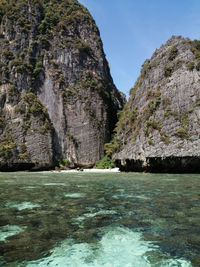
(198, 66)
(153, 105)
(21, 66)
(181, 133)
(38, 68)
(173, 53)
(111, 147)
(34, 105)
(6, 148)
(8, 54)
(47, 126)
(150, 142)
(166, 102)
(19, 109)
(196, 44)
(184, 119)
(83, 46)
(178, 64)
(168, 69)
(24, 156)
(190, 66)
(133, 139)
(64, 163)
(168, 112)
(105, 163)
(26, 125)
(12, 90)
(165, 139)
(151, 125)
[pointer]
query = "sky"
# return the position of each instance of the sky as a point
(131, 30)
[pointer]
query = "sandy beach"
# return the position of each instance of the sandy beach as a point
(90, 170)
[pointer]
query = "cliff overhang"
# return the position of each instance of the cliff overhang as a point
(173, 164)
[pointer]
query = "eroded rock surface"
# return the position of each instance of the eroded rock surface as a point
(159, 127)
(57, 98)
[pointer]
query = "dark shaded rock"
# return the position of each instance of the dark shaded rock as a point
(162, 165)
(158, 129)
(57, 98)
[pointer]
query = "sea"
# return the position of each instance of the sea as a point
(99, 219)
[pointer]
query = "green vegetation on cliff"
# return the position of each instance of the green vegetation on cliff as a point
(105, 163)
(49, 21)
(161, 116)
(55, 84)
(53, 13)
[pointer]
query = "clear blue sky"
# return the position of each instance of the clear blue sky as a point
(132, 29)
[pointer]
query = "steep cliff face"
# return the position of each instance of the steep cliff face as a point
(57, 98)
(158, 129)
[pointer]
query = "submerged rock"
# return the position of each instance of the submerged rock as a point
(158, 129)
(57, 97)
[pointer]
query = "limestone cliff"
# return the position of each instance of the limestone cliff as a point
(159, 128)
(57, 98)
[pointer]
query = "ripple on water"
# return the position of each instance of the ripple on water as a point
(29, 187)
(9, 230)
(126, 195)
(118, 247)
(142, 197)
(74, 195)
(82, 185)
(21, 205)
(55, 184)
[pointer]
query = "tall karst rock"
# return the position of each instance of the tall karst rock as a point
(57, 98)
(159, 128)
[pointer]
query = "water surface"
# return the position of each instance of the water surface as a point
(99, 219)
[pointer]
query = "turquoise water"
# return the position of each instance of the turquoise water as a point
(99, 219)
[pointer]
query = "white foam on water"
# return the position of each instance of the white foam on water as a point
(82, 185)
(9, 230)
(55, 184)
(29, 187)
(118, 247)
(93, 214)
(120, 190)
(90, 209)
(143, 197)
(101, 212)
(116, 196)
(74, 195)
(22, 205)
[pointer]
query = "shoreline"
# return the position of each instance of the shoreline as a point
(113, 170)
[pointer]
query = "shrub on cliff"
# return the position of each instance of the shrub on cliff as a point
(64, 163)
(105, 163)
(173, 53)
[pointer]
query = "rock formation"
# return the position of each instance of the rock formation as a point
(57, 98)
(159, 127)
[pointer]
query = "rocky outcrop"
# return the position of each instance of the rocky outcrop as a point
(57, 98)
(158, 129)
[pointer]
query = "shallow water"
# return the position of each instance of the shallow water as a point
(99, 219)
